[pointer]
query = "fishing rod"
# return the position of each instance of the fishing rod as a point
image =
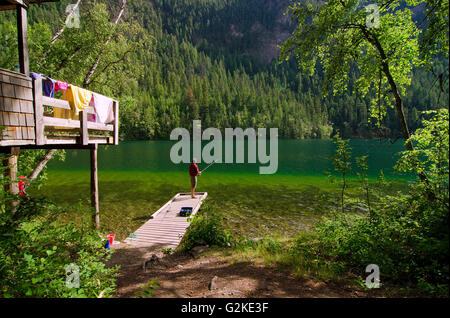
(208, 166)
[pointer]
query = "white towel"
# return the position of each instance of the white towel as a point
(103, 107)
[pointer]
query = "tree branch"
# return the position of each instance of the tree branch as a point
(39, 167)
(60, 31)
(108, 65)
(91, 72)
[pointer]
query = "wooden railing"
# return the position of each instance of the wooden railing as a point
(83, 126)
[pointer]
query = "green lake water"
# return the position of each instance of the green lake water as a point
(137, 177)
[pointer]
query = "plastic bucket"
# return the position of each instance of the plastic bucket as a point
(111, 238)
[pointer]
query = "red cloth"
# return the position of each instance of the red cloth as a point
(22, 185)
(193, 170)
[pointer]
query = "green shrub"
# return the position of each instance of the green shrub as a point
(406, 235)
(35, 252)
(408, 240)
(206, 228)
(267, 244)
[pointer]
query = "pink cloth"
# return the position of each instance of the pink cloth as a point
(103, 108)
(61, 85)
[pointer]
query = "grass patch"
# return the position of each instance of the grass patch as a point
(282, 253)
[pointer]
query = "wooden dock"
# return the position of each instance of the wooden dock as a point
(166, 227)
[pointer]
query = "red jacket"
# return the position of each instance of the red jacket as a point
(193, 170)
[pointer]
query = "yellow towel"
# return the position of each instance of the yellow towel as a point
(78, 99)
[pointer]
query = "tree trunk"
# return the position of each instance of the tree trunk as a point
(398, 106)
(10, 163)
(39, 167)
(404, 125)
(94, 185)
(372, 39)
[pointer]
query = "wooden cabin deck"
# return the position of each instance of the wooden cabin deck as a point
(28, 121)
(27, 118)
(165, 227)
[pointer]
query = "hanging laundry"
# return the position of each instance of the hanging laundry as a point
(78, 99)
(103, 108)
(48, 84)
(92, 117)
(61, 86)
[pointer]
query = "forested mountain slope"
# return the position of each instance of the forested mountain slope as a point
(172, 61)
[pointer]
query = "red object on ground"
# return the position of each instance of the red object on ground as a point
(111, 238)
(22, 183)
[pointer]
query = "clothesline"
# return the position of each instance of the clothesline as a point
(79, 99)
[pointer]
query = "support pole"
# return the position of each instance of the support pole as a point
(94, 185)
(83, 128)
(10, 164)
(22, 35)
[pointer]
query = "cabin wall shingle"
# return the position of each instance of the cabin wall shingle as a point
(16, 106)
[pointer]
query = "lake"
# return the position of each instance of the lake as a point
(137, 177)
(296, 157)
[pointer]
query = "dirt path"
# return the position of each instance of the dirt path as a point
(185, 275)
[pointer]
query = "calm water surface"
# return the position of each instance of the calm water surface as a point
(137, 178)
(295, 157)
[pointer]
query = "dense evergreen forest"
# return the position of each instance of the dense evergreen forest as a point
(216, 60)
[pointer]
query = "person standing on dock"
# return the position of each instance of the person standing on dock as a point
(193, 172)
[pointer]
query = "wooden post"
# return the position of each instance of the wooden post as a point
(22, 35)
(10, 164)
(38, 112)
(116, 123)
(94, 185)
(83, 127)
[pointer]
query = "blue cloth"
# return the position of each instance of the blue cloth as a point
(48, 84)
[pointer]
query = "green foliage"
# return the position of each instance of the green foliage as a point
(34, 259)
(362, 177)
(431, 154)
(407, 236)
(267, 244)
(206, 228)
(8, 43)
(407, 239)
(167, 251)
(336, 35)
(148, 290)
(29, 159)
(434, 39)
(342, 163)
(35, 251)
